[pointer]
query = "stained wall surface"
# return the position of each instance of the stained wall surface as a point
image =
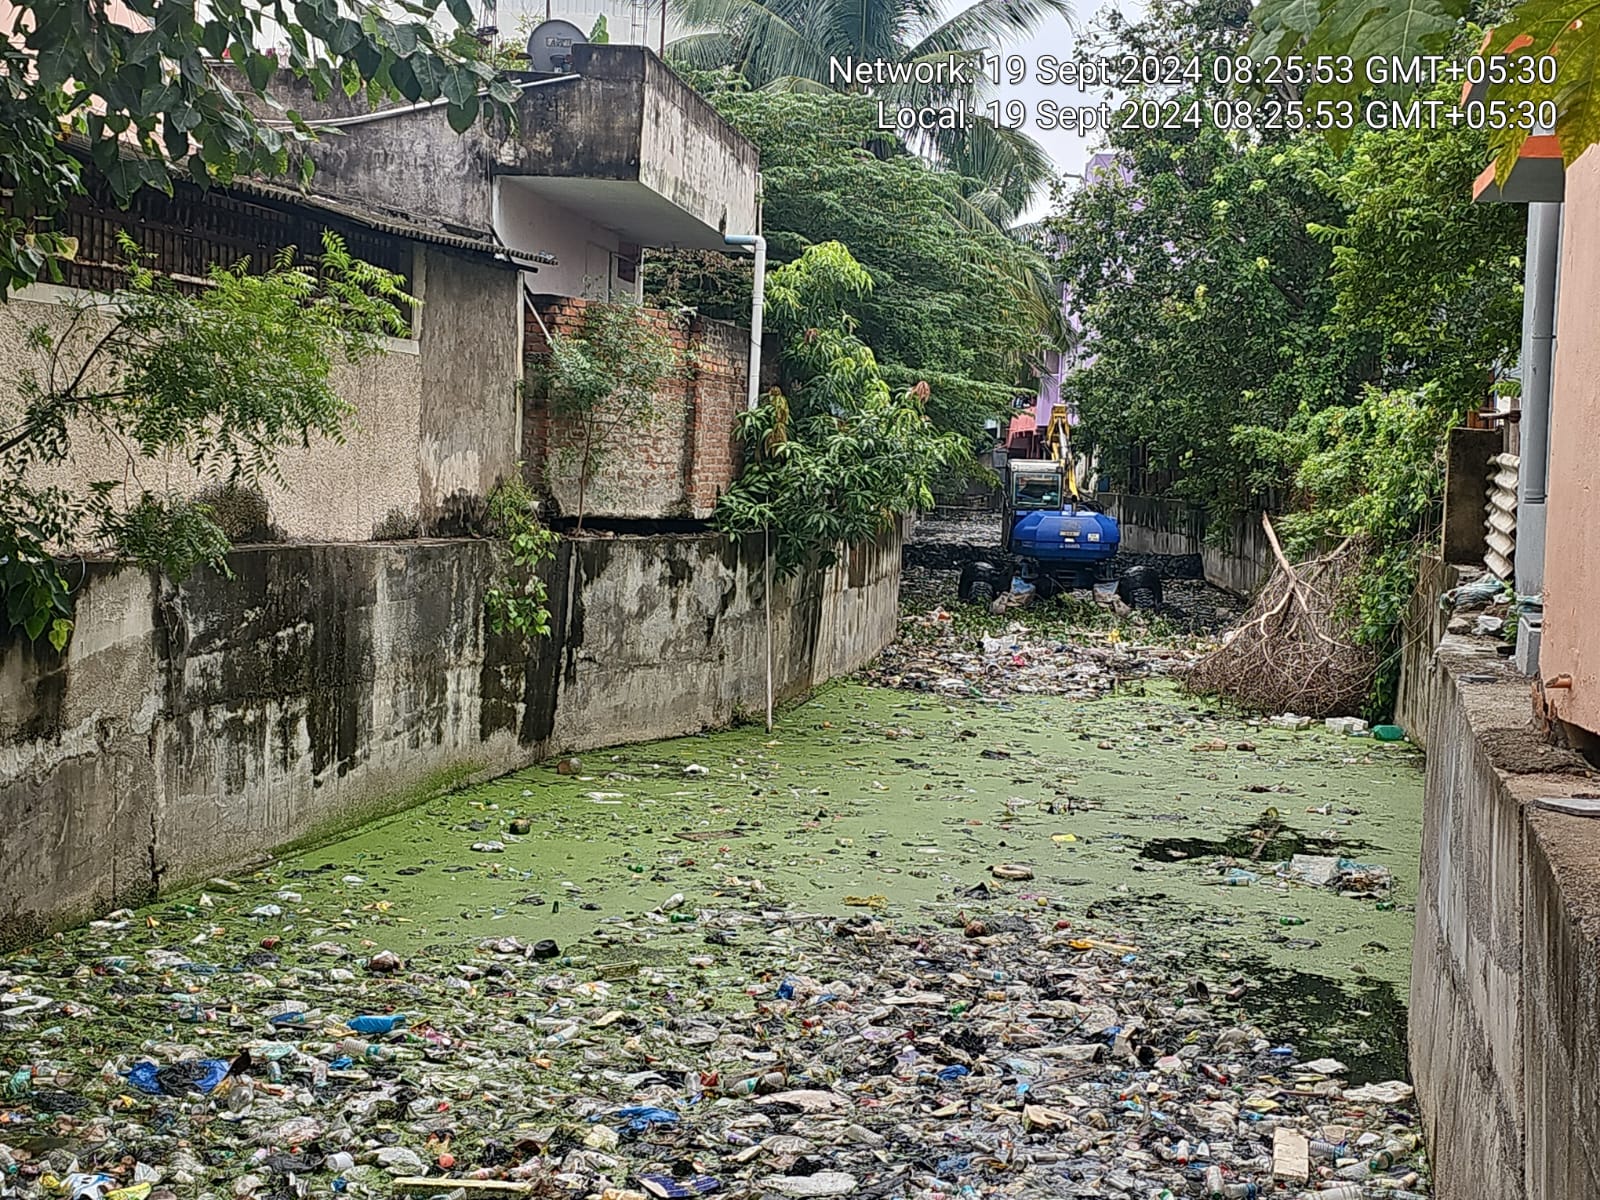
(190, 729)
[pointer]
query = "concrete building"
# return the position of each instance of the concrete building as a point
(616, 155)
(435, 413)
(1505, 1010)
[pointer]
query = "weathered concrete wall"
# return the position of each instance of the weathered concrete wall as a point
(436, 418)
(689, 154)
(470, 407)
(1239, 560)
(410, 163)
(1504, 997)
(1570, 643)
(189, 729)
(1415, 703)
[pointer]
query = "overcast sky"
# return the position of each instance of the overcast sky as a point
(1070, 150)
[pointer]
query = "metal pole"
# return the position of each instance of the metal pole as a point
(758, 300)
(663, 51)
(1538, 355)
(766, 556)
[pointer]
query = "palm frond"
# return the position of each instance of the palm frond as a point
(703, 51)
(990, 23)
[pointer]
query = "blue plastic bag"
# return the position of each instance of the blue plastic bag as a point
(194, 1075)
(386, 1024)
(640, 1117)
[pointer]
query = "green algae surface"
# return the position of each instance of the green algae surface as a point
(1128, 811)
(1121, 807)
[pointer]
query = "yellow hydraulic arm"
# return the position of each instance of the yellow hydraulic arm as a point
(1059, 435)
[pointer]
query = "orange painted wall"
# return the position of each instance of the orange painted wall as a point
(1572, 547)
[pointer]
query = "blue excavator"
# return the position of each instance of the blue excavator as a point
(1058, 540)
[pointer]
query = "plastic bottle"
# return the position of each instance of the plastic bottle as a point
(1291, 920)
(371, 1051)
(1213, 1183)
(1342, 1191)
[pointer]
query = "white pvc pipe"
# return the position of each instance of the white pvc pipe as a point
(758, 289)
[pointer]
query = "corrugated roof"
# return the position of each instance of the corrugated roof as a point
(384, 224)
(263, 190)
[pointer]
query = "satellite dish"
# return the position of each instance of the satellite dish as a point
(550, 46)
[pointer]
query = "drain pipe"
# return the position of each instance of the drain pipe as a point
(758, 297)
(1538, 353)
(758, 300)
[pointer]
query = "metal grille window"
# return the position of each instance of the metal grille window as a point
(192, 231)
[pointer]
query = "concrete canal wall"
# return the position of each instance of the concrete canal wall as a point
(1239, 560)
(189, 730)
(1505, 984)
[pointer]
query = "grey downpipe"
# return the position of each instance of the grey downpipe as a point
(1538, 356)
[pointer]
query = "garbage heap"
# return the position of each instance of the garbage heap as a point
(997, 1049)
(936, 652)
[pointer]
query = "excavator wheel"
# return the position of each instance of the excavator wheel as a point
(1140, 587)
(977, 583)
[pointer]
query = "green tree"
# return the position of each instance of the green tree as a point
(1271, 319)
(955, 303)
(1553, 47)
(139, 101)
(1437, 277)
(834, 456)
(222, 380)
(1208, 305)
(791, 45)
(604, 379)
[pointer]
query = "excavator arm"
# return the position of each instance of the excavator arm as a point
(1059, 435)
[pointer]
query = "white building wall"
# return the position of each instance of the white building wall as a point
(587, 252)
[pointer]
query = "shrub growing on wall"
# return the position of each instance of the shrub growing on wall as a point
(604, 379)
(222, 380)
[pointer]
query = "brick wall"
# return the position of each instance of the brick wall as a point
(673, 465)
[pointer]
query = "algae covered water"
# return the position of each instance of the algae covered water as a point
(867, 798)
(904, 947)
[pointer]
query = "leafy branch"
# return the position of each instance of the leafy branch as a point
(184, 87)
(518, 599)
(604, 379)
(222, 380)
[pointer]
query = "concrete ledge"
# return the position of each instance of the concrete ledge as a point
(1505, 994)
(1237, 561)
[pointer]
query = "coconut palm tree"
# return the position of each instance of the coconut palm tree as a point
(791, 44)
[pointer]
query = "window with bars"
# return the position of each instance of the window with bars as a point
(193, 230)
